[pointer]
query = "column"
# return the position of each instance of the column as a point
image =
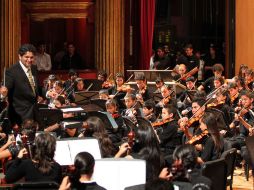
(10, 32)
(244, 33)
(109, 36)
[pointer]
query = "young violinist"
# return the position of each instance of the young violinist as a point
(143, 93)
(244, 118)
(69, 84)
(149, 111)
(167, 98)
(249, 79)
(159, 83)
(107, 84)
(208, 85)
(130, 102)
(116, 135)
(190, 126)
(167, 130)
(55, 91)
(103, 94)
(212, 146)
(180, 77)
(233, 94)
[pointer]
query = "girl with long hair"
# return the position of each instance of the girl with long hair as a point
(41, 167)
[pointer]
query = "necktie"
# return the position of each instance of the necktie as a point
(31, 81)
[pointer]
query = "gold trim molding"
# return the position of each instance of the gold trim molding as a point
(44, 16)
(58, 5)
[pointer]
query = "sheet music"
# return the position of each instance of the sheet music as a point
(62, 153)
(76, 109)
(114, 174)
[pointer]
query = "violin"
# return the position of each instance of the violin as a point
(195, 139)
(108, 83)
(160, 122)
(233, 98)
(215, 104)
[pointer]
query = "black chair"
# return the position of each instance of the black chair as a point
(36, 186)
(230, 156)
(216, 171)
(250, 144)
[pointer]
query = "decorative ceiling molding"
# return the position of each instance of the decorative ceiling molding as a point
(33, 6)
(40, 11)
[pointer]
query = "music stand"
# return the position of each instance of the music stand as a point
(100, 102)
(84, 97)
(49, 117)
(96, 84)
(106, 118)
(151, 75)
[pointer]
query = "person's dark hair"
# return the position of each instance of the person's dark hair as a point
(45, 146)
(171, 109)
(159, 184)
(242, 67)
(84, 163)
(247, 93)
(232, 85)
(199, 101)
(210, 120)
(103, 73)
(147, 147)
(72, 72)
(61, 99)
(188, 46)
(26, 48)
(29, 128)
(218, 67)
(221, 79)
(241, 81)
(149, 105)
(187, 154)
(96, 128)
(120, 75)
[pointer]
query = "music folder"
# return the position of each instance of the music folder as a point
(67, 149)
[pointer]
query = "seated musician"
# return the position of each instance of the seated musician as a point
(184, 100)
(116, 135)
(107, 84)
(211, 146)
(240, 82)
(158, 83)
(41, 167)
(144, 146)
(94, 127)
(119, 90)
(48, 84)
(190, 126)
(233, 95)
(167, 98)
(249, 79)
(82, 175)
(103, 94)
(55, 91)
(130, 102)
(244, 118)
(180, 77)
(143, 93)
(149, 111)
(167, 130)
(208, 85)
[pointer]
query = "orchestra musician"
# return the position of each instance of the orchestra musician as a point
(143, 93)
(103, 94)
(180, 77)
(107, 83)
(208, 85)
(159, 82)
(212, 146)
(69, 84)
(149, 111)
(249, 79)
(115, 135)
(233, 94)
(167, 130)
(57, 90)
(167, 98)
(48, 84)
(131, 103)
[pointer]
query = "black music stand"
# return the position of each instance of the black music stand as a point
(151, 75)
(95, 84)
(49, 117)
(100, 102)
(106, 118)
(84, 97)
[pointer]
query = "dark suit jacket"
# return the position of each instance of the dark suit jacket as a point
(20, 94)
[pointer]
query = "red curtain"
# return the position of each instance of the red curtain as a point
(147, 14)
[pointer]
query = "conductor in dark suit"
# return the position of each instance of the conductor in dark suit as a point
(21, 81)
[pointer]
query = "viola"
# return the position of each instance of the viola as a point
(215, 104)
(195, 139)
(192, 120)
